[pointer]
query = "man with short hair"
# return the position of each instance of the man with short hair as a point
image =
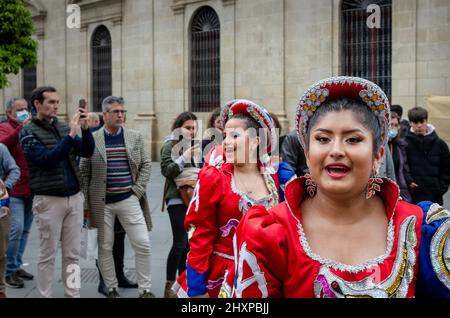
(114, 183)
(93, 121)
(428, 158)
(51, 147)
(20, 197)
(404, 124)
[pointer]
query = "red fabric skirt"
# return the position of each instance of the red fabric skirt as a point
(219, 281)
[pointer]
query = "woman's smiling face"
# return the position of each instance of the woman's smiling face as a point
(341, 154)
(239, 146)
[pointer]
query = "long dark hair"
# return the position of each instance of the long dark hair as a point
(180, 120)
(213, 117)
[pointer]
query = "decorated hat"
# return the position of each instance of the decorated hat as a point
(333, 88)
(259, 113)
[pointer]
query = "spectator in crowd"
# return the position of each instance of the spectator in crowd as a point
(173, 164)
(20, 197)
(404, 124)
(9, 174)
(213, 134)
(95, 123)
(284, 171)
(114, 182)
(428, 158)
(292, 152)
(277, 124)
(397, 146)
(386, 169)
(5, 223)
(50, 147)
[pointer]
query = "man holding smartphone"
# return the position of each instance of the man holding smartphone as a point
(51, 148)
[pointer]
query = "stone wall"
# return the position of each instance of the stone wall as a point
(271, 50)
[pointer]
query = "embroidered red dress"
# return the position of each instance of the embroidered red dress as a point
(213, 216)
(275, 259)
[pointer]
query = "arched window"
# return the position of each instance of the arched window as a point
(28, 82)
(101, 67)
(367, 48)
(205, 60)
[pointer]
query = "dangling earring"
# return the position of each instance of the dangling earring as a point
(311, 185)
(373, 185)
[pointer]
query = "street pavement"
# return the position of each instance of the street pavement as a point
(161, 240)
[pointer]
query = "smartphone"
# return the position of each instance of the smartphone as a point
(82, 103)
(82, 107)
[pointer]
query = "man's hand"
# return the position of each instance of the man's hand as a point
(27, 121)
(413, 185)
(83, 119)
(75, 127)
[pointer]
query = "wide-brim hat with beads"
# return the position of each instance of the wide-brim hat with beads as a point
(333, 88)
(257, 112)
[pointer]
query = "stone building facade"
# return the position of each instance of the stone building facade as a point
(270, 51)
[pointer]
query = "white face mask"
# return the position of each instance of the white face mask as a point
(21, 116)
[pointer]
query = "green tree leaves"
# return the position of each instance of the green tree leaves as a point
(17, 48)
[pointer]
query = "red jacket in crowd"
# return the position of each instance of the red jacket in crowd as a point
(9, 136)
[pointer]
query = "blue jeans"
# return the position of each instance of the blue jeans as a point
(21, 221)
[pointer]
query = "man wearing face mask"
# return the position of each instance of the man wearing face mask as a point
(20, 196)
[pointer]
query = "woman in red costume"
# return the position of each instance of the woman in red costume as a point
(223, 194)
(342, 231)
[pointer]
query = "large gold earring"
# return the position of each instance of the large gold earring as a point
(311, 186)
(373, 185)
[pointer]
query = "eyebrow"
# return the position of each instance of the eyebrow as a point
(345, 132)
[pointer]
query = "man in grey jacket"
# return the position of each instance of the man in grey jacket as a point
(114, 182)
(9, 174)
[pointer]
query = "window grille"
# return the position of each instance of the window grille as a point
(205, 60)
(367, 52)
(101, 67)
(29, 82)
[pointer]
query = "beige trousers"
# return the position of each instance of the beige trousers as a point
(59, 219)
(131, 217)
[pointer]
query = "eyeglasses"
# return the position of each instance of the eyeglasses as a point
(117, 111)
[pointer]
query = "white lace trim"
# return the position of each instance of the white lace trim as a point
(340, 266)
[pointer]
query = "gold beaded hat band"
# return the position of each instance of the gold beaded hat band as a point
(333, 88)
(259, 113)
